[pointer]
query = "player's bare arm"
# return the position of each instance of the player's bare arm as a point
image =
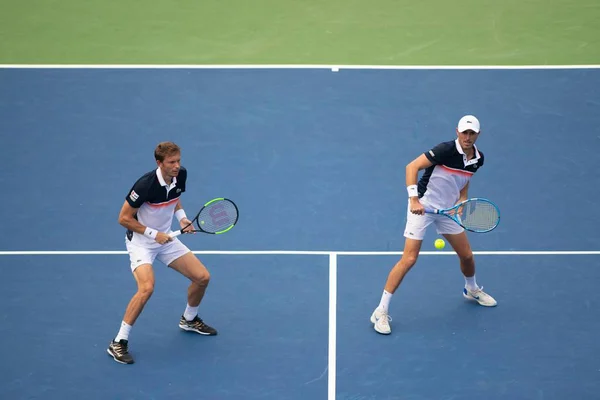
(412, 176)
(184, 222)
(464, 193)
(127, 219)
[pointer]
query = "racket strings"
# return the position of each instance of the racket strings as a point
(217, 216)
(479, 216)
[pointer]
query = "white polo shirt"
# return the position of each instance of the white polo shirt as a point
(156, 203)
(440, 185)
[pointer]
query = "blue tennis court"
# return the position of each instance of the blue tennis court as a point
(315, 161)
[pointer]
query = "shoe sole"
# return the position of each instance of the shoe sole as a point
(114, 358)
(374, 321)
(185, 328)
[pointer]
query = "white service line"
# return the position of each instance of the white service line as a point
(306, 253)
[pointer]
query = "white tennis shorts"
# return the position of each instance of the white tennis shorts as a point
(416, 225)
(166, 253)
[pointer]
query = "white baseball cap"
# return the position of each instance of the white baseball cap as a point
(469, 122)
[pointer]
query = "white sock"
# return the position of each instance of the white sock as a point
(471, 283)
(123, 332)
(384, 304)
(190, 312)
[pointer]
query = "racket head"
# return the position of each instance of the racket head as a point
(217, 216)
(475, 215)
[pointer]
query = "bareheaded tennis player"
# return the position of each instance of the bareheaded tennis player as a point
(147, 214)
(449, 167)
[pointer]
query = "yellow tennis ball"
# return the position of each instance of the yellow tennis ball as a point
(439, 244)
(201, 222)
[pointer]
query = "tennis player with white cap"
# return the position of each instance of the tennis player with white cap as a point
(449, 167)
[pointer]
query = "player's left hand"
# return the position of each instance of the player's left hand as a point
(186, 225)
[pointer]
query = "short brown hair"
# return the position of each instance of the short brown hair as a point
(165, 149)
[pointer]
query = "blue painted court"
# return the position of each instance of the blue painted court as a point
(315, 161)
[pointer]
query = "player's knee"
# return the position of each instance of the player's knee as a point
(146, 289)
(408, 260)
(467, 258)
(203, 279)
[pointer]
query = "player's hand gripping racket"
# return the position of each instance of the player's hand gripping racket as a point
(217, 216)
(475, 215)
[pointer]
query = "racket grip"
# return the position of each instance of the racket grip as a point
(175, 234)
(431, 211)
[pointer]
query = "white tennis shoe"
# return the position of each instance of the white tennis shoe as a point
(479, 296)
(381, 321)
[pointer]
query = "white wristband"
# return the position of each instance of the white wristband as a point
(412, 191)
(151, 233)
(180, 214)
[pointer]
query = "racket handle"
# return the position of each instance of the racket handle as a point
(175, 234)
(431, 211)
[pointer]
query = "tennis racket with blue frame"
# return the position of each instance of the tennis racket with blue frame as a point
(215, 217)
(475, 215)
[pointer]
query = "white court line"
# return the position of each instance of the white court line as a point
(331, 366)
(297, 66)
(307, 253)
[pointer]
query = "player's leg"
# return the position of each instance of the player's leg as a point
(380, 317)
(416, 225)
(118, 348)
(144, 276)
(401, 268)
(460, 244)
(178, 257)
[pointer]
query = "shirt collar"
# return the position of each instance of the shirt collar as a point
(161, 180)
(471, 161)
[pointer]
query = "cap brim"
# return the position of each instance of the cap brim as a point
(468, 128)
